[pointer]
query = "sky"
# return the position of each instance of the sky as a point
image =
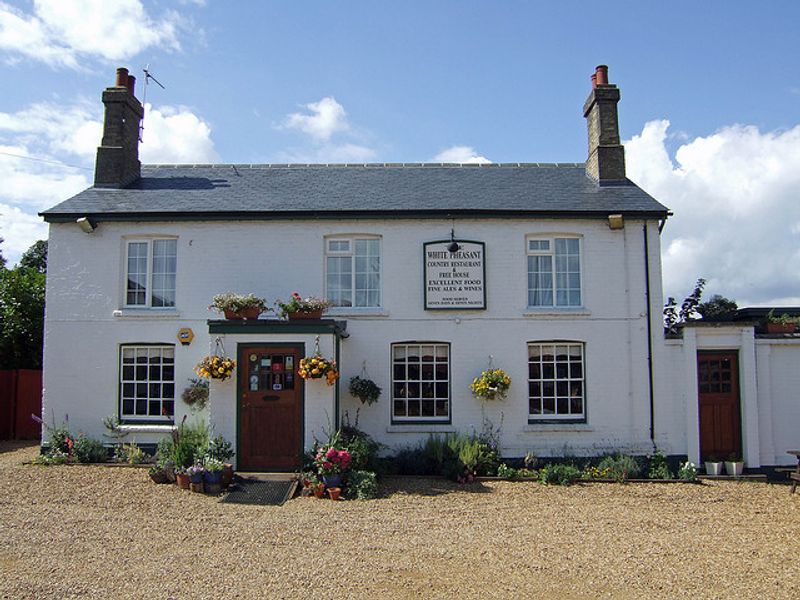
(709, 111)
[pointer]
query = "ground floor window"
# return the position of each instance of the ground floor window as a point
(556, 381)
(420, 382)
(147, 382)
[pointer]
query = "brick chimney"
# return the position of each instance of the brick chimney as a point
(606, 161)
(117, 162)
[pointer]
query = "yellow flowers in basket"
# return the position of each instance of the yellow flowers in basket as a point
(317, 367)
(491, 385)
(215, 367)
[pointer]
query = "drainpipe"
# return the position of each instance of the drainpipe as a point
(649, 336)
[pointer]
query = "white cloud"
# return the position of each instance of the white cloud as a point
(461, 154)
(327, 117)
(734, 195)
(175, 135)
(61, 32)
(47, 154)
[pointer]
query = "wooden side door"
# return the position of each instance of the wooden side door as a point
(270, 408)
(720, 412)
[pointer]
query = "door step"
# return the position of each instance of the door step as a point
(262, 476)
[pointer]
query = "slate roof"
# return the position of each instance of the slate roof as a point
(335, 191)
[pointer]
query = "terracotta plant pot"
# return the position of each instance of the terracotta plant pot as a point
(334, 492)
(183, 480)
(780, 327)
(300, 316)
(227, 475)
(248, 314)
(197, 487)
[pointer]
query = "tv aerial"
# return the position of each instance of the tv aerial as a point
(147, 77)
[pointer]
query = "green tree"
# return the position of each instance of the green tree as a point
(35, 257)
(717, 308)
(21, 317)
(2, 258)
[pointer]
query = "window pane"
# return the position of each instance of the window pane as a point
(540, 281)
(340, 280)
(137, 274)
(567, 266)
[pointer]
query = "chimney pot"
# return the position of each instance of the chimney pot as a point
(602, 74)
(594, 80)
(122, 77)
(131, 84)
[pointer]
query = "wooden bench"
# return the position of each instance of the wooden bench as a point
(795, 475)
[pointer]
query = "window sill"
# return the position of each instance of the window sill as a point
(421, 428)
(578, 311)
(146, 313)
(357, 312)
(147, 428)
(558, 428)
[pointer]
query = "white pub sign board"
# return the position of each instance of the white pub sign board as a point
(455, 280)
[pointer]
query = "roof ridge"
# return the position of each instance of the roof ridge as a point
(398, 165)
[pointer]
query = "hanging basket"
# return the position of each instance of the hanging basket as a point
(216, 365)
(491, 385)
(317, 367)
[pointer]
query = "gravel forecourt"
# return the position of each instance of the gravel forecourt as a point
(98, 532)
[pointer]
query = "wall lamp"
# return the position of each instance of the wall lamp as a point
(453, 246)
(86, 224)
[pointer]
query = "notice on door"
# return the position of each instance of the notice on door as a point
(455, 280)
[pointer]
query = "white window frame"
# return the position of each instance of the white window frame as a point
(564, 390)
(551, 252)
(351, 253)
(128, 376)
(437, 384)
(148, 293)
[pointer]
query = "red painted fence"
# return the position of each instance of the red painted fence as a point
(20, 396)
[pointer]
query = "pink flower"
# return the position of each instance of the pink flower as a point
(331, 454)
(327, 465)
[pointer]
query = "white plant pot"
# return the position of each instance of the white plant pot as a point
(713, 468)
(734, 468)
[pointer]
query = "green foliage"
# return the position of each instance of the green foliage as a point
(53, 457)
(365, 390)
(189, 444)
(363, 485)
(687, 471)
(362, 448)
(783, 319)
(59, 438)
(196, 393)
(621, 467)
(130, 453)
(503, 470)
(675, 318)
(560, 473)
(21, 318)
(659, 469)
(89, 450)
(219, 449)
(717, 308)
(35, 257)
(2, 258)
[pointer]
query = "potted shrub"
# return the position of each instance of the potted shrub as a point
(492, 384)
(158, 474)
(238, 306)
(182, 478)
(195, 473)
(303, 308)
(212, 475)
(713, 465)
(331, 462)
(364, 389)
(780, 324)
(220, 449)
(734, 466)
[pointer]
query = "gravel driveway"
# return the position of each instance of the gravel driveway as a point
(94, 532)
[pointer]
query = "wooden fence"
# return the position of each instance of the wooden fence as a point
(20, 396)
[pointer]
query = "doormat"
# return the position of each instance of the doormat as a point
(273, 493)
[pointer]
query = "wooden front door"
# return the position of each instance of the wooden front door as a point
(270, 408)
(720, 417)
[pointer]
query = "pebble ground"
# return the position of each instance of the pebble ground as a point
(94, 532)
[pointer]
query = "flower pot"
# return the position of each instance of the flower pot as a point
(334, 492)
(183, 480)
(227, 475)
(247, 314)
(332, 481)
(734, 468)
(212, 477)
(159, 477)
(780, 327)
(299, 316)
(212, 488)
(713, 468)
(197, 488)
(196, 477)
(319, 490)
